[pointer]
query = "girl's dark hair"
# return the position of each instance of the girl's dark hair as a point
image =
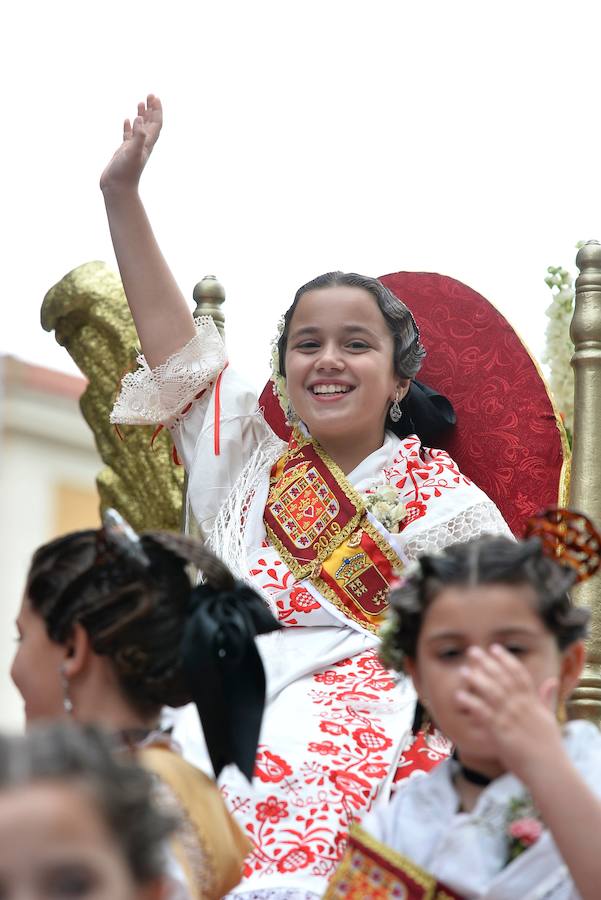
(135, 618)
(484, 560)
(408, 350)
(121, 790)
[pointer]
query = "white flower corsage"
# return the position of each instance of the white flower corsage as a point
(384, 504)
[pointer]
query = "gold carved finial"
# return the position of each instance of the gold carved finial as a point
(209, 295)
(585, 487)
(89, 315)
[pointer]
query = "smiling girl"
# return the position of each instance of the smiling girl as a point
(318, 525)
(494, 647)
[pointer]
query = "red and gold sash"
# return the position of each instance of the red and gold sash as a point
(319, 524)
(371, 869)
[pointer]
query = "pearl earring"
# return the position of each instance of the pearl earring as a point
(67, 701)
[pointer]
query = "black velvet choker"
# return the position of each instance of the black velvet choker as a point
(472, 775)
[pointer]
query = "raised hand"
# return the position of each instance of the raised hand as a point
(126, 166)
(500, 694)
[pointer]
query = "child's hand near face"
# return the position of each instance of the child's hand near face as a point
(498, 691)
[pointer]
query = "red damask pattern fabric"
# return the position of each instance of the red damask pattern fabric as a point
(507, 438)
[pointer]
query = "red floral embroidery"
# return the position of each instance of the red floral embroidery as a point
(302, 601)
(332, 728)
(301, 806)
(415, 510)
(275, 768)
(371, 664)
(356, 789)
(298, 858)
(374, 770)
(325, 749)
(371, 740)
(329, 677)
(272, 810)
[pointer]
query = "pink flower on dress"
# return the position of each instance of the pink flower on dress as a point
(332, 728)
(302, 601)
(368, 739)
(526, 830)
(272, 810)
(329, 677)
(325, 748)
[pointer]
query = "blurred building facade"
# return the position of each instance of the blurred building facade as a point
(48, 466)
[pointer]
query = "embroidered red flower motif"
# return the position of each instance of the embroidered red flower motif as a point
(344, 662)
(297, 858)
(526, 830)
(369, 739)
(329, 677)
(355, 788)
(340, 842)
(370, 664)
(382, 684)
(332, 728)
(272, 810)
(374, 770)
(302, 601)
(325, 748)
(415, 510)
(275, 768)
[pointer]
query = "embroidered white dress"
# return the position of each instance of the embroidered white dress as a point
(336, 723)
(468, 851)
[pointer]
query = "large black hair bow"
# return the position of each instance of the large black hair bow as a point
(425, 413)
(225, 671)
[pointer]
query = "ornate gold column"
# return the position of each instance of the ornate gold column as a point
(209, 296)
(585, 486)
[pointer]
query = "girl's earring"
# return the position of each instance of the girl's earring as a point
(395, 410)
(67, 702)
(561, 713)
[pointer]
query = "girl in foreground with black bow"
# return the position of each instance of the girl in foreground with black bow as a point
(111, 630)
(494, 647)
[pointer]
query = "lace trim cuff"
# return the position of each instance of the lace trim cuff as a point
(149, 396)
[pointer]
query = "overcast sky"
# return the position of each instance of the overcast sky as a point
(373, 136)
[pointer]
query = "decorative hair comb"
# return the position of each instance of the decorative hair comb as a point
(568, 537)
(120, 536)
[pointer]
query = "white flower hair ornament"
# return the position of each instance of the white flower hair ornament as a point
(277, 379)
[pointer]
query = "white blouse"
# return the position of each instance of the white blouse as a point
(468, 851)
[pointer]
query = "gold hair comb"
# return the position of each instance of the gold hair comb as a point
(568, 537)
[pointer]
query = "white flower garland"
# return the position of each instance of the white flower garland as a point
(278, 380)
(558, 346)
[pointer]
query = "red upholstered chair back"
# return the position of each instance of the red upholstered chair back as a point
(508, 438)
